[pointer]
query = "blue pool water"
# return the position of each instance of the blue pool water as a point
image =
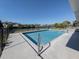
(44, 36)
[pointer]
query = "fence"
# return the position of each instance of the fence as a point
(4, 32)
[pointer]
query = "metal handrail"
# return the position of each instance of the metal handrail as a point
(40, 49)
(46, 48)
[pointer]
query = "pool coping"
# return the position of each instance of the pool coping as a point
(34, 45)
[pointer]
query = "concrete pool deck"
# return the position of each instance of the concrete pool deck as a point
(18, 48)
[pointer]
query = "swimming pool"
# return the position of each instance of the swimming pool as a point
(44, 36)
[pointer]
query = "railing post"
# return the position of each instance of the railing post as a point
(38, 43)
(40, 47)
(2, 39)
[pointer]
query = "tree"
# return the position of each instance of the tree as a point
(66, 23)
(56, 25)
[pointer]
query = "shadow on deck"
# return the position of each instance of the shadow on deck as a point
(74, 41)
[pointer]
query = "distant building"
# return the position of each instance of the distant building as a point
(5, 24)
(15, 25)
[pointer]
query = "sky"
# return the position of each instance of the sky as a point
(36, 11)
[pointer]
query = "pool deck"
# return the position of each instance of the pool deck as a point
(18, 48)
